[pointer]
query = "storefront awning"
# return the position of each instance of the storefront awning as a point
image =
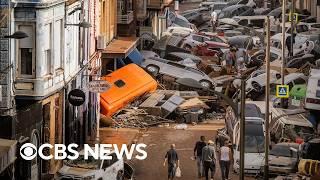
(7, 153)
(120, 48)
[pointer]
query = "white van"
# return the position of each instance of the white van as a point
(313, 90)
(254, 138)
(93, 169)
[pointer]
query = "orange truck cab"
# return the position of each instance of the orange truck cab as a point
(127, 84)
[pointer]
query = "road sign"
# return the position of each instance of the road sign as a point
(282, 91)
(98, 86)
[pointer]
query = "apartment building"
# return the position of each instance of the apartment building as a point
(313, 6)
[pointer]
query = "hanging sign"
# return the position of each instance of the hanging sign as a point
(76, 97)
(98, 86)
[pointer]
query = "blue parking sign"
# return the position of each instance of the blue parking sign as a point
(282, 91)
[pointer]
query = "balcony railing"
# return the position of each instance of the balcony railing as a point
(125, 18)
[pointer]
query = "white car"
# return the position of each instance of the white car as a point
(91, 168)
(194, 40)
(178, 31)
(257, 80)
(314, 26)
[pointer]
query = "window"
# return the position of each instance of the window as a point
(257, 23)
(216, 39)
(119, 83)
(47, 49)
(318, 82)
(290, 85)
(299, 81)
(315, 26)
(318, 93)
(273, 56)
(26, 52)
(176, 65)
(243, 22)
(58, 49)
(197, 38)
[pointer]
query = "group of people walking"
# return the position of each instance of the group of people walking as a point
(206, 158)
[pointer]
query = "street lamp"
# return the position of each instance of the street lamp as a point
(83, 24)
(17, 35)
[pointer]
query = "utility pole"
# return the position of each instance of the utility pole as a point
(266, 123)
(283, 65)
(242, 126)
(292, 26)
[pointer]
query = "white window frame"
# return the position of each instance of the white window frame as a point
(49, 69)
(62, 29)
(18, 54)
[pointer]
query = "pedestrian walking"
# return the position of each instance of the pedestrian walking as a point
(225, 156)
(230, 58)
(209, 160)
(173, 161)
(288, 43)
(198, 155)
(214, 20)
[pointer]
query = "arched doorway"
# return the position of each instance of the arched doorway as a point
(35, 162)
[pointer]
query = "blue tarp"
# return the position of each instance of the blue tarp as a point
(135, 57)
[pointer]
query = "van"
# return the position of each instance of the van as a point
(254, 138)
(290, 125)
(313, 91)
(128, 83)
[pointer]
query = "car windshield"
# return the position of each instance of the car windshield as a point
(315, 25)
(224, 14)
(81, 162)
(254, 138)
(282, 150)
(181, 22)
(254, 144)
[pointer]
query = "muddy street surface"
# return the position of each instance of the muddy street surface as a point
(158, 141)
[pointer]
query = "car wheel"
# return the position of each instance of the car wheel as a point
(257, 86)
(154, 70)
(205, 84)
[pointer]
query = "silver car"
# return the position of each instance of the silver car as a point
(282, 159)
(157, 66)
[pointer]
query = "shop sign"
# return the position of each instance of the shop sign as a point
(76, 97)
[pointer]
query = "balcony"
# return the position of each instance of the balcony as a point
(125, 18)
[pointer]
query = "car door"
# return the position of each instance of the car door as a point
(175, 70)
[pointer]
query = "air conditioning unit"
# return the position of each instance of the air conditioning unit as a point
(101, 42)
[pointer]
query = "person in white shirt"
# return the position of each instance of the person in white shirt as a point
(214, 20)
(225, 156)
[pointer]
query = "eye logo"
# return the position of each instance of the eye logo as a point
(28, 151)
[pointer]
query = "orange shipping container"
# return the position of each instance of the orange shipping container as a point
(128, 83)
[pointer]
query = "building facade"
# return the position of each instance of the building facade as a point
(313, 6)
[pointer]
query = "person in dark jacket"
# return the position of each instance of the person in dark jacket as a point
(173, 161)
(288, 44)
(198, 155)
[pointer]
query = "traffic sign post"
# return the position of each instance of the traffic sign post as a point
(282, 91)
